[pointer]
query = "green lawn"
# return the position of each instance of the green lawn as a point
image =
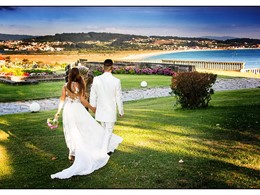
(219, 147)
(53, 89)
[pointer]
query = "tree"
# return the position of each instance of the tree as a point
(8, 59)
(25, 61)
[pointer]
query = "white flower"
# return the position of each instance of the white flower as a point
(181, 161)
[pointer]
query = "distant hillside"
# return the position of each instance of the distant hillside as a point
(5, 37)
(127, 41)
(222, 38)
(243, 41)
(95, 36)
(115, 37)
(90, 36)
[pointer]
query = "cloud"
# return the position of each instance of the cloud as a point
(7, 8)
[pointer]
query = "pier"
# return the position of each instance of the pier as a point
(231, 66)
(251, 70)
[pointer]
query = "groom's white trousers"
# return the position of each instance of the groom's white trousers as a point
(108, 126)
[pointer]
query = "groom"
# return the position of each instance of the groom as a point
(106, 97)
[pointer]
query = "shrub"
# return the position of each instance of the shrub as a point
(97, 72)
(36, 71)
(119, 70)
(193, 89)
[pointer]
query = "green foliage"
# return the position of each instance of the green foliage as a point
(193, 89)
(38, 71)
(97, 72)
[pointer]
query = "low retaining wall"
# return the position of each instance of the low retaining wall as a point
(141, 65)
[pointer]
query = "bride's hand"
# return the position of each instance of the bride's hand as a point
(93, 109)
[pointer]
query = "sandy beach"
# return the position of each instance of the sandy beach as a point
(72, 58)
(140, 56)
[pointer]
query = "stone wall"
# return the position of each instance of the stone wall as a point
(177, 68)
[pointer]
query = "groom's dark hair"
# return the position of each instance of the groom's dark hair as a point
(108, 65)
(108, 62)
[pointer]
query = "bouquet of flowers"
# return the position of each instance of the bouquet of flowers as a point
(52, 123)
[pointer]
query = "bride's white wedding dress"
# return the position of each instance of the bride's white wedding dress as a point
(86, 139)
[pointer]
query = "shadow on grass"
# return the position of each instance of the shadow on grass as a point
(143, 169)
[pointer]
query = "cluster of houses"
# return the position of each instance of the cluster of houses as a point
(33, 46)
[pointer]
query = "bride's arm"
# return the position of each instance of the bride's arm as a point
(61, 103)
(70, 93)
(86, 103)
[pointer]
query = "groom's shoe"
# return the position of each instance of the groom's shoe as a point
(109, 153)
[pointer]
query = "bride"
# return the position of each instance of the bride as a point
(85, 138)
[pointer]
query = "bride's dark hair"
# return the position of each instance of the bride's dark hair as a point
(74, 76)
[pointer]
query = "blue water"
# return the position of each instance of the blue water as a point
(251, 57)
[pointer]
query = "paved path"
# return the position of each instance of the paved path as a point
(52, 103)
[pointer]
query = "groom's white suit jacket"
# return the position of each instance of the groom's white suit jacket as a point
(106, 96)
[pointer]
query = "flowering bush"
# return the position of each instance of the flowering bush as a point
(12, 72)
(134, 70)
(23, 72)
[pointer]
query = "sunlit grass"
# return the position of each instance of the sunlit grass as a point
(3, 135)
(43, 90)
(5, 168)
(219, 147)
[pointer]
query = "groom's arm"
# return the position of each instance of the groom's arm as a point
(119, 99)
(93, 94)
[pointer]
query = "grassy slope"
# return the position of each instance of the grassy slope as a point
(219, 147)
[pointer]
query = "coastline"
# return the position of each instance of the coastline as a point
(132, 55)
(142, 56)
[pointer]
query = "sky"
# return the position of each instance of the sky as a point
(182, 21)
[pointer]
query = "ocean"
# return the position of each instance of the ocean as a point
(251, 57)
